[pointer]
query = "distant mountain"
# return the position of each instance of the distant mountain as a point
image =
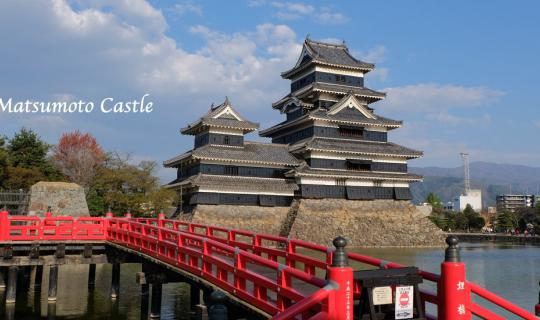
(492, 178)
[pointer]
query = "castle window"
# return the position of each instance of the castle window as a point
(359, 165)
(231, 171)
(345, 131)
(226, 140)
(340, 78)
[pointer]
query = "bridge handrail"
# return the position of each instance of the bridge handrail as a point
(427, 296)
(319, 297)
(288, 250)
(183, 248)
(162, 236)
(499, 301)
(26, 228)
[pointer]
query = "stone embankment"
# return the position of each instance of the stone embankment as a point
(379, 223)
(64, 198)
(257, 219)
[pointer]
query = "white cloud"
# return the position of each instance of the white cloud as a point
(298, 10)
(256, 3)
(446, 118)
(104, 49)
(430, 97)
(327, 16)
(63, 97)
(187, 7)
(111, 47)
(374, 55)
(380, 73)
(294, 7)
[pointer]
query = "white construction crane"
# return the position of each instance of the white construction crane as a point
(466, 176)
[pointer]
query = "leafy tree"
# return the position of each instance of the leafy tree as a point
(451, 221)
(469, 211)
(123, 187)
(439, 221)
(27, 161)
(477, 222)
(27, 150)
(78, 156)
(433, 200)
(96, 202)
(3, 162)
(462, 222)
(528, 216)
(22, 178)
(469, 219)
(507, 221)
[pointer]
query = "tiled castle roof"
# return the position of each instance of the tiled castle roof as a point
(216, 117)
(238, 183)
(339, 118)
(321, 114)
(355, 146)
(307, 171)
(252, 152)
(331, 54)
(337, 54)
(370, 94)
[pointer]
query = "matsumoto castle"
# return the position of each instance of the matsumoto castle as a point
(331, 144)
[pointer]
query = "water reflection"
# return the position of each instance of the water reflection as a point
(511, 271)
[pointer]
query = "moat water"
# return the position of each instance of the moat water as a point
(511, 271)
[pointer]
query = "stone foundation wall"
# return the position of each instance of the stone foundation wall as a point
(64, 198)
(257, 219)
(378, 223)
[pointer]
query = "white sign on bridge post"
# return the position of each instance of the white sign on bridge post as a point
(404, 302)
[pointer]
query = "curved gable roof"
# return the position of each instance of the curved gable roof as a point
(330, 54)
(223, 116)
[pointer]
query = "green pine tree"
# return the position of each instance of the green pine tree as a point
(27, 150)
(433, 200)
(27, 161)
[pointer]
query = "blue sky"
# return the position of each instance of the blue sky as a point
(463, 75)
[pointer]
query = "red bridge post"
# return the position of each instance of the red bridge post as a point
(4, 225)
(342, 275)
(454, 292)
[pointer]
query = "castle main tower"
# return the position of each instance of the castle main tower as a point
(331, 125)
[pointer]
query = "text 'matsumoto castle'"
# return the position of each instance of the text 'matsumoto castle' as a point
(331, 145)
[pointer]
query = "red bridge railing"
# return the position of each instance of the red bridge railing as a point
(286, 278)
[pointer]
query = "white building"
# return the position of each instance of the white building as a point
(473, 197)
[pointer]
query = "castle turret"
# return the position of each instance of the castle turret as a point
(330, 125)
(223, 168)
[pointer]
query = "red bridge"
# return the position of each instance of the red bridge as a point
(276, 277)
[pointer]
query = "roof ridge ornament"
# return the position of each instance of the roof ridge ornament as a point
(227, 102)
